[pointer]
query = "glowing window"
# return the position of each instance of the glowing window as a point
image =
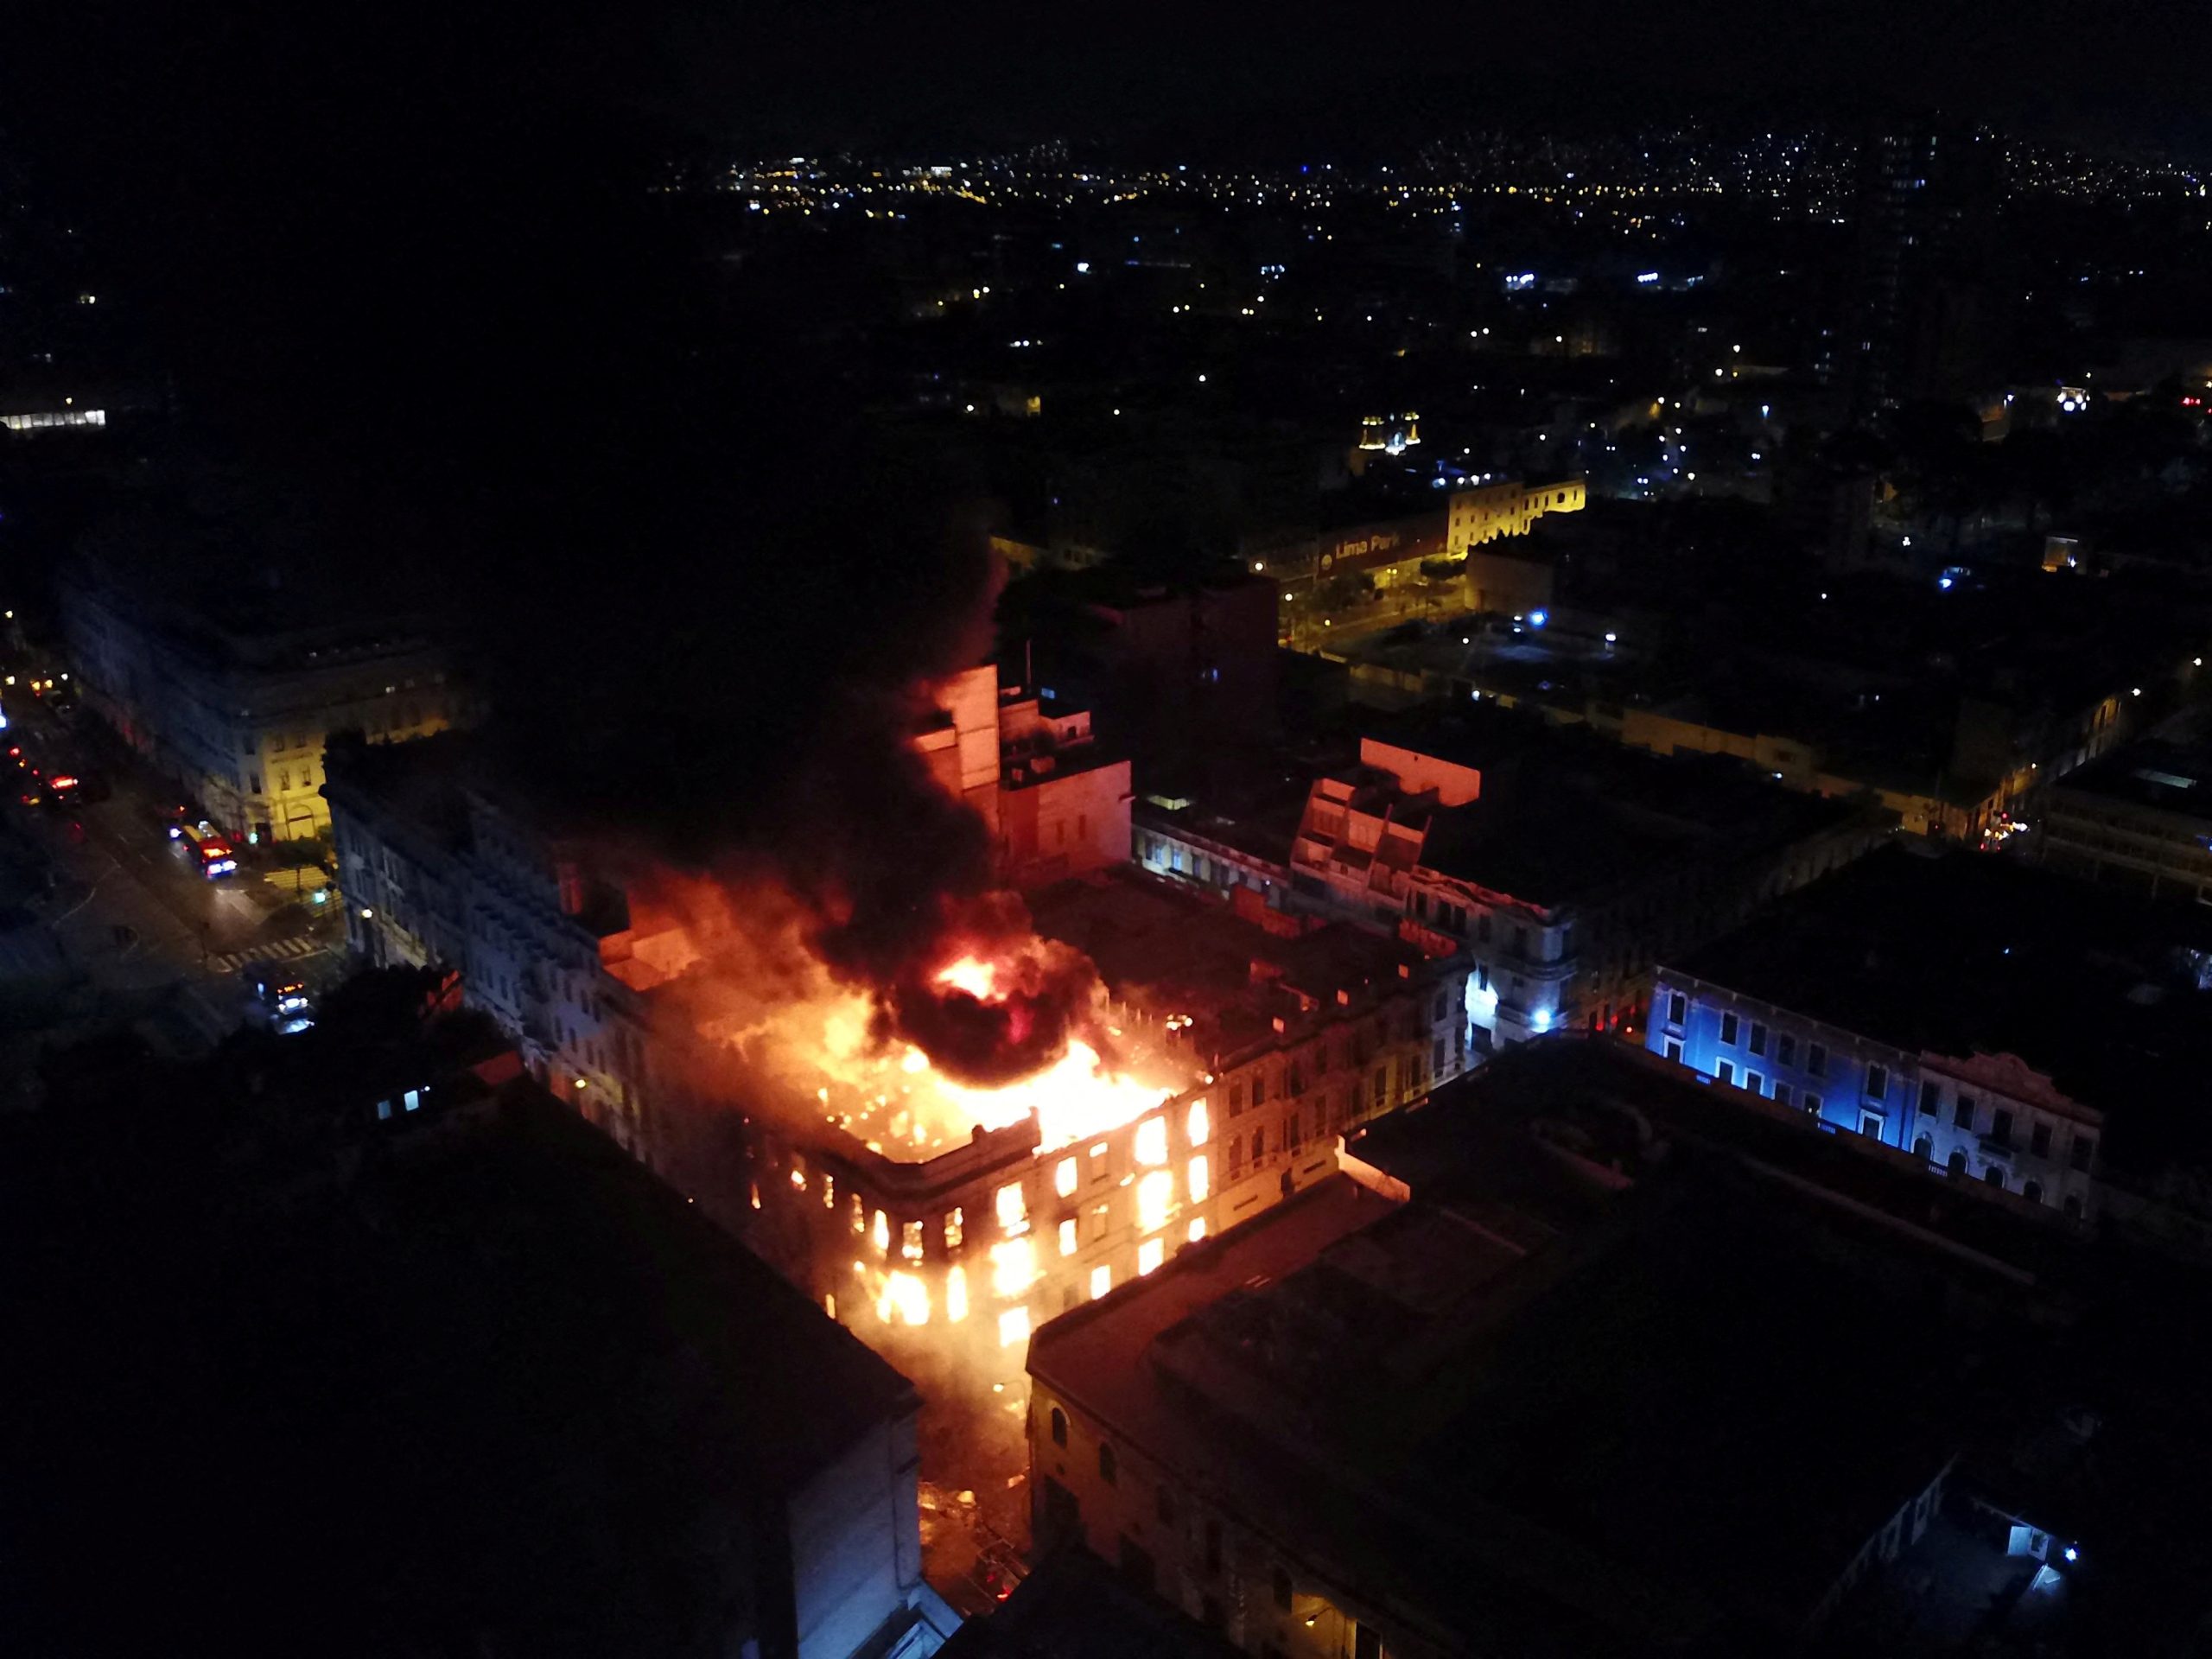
(1013, 1211)
(956, 1228)
(1197, 1229)
(1199, 1187)
(956, 1294)
(829, 1191)
(1199, 1125)
(1063, 1176)
(859, 1215)
(1151, 1254)
(879, 1231)
(1013, 1327)
(1067, 1237)
(910, 1241)
(1013, 1266)
(1151, 1141)
(906, 1301)
(1155, 1192)
(1102, 1281)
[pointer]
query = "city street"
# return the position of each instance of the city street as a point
(94, 897)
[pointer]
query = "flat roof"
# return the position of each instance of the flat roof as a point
(2171, 773)
(1549, 1406)
(1177, 951)
(1961, 953)
(1566, 814)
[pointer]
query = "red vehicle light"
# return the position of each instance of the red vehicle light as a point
(63, 780)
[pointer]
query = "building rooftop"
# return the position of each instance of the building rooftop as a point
(1964, 953)
(2169, 773)
(1172, 951)
(501, 1390)
(1558, 1400)
(1565, 816)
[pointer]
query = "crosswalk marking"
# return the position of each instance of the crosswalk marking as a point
(281, 950)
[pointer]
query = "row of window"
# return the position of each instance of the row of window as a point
(1753, 1037)
(1871, 1123)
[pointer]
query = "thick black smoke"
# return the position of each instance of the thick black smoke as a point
(637, 454)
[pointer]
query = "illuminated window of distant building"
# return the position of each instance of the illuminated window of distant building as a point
(1729, 1029)
(1067, 1237)
(414, 1100)
(384, 1110)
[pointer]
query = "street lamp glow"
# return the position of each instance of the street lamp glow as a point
(367, 914)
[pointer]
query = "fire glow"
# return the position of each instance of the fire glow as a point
(894, 1100)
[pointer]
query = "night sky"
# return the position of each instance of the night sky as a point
(402, 257)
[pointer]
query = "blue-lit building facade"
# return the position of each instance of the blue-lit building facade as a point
(1992, 1120)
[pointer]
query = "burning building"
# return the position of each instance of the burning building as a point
(983, 1123)
(1234, 1057)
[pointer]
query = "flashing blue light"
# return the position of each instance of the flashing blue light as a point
(2072, 1553)
(1083, 267)
(1541, 1022)
(1647, 277)
(319, 897)
(1943, 582)
(1537, 619)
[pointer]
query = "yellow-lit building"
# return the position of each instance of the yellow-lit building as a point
(236, 710)
(1483, 512)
